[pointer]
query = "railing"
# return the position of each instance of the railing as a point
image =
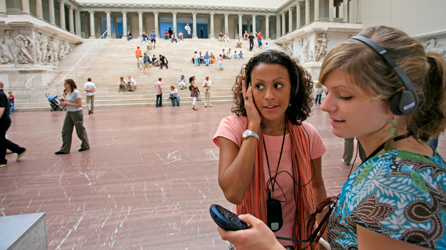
(73, 72)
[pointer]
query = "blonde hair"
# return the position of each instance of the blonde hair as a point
(369, 77)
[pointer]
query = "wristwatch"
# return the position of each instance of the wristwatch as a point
(249, 133)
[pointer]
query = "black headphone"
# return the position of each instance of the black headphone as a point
(402, 102)
(294, 89)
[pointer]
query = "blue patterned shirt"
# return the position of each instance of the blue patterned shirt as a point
(399, 194)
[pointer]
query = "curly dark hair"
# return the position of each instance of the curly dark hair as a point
(301, 103)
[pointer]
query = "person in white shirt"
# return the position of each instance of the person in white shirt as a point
(207, 91)
(131, 83)
(90, 88)
(187, 28)
(182, 82)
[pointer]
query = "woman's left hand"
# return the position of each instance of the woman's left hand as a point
(258, 237)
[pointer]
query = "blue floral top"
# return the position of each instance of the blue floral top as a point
(399, 194)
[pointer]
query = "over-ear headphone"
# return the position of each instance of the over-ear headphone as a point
(402, 102)
(294, 88)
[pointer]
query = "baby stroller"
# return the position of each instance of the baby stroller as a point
(54, 103)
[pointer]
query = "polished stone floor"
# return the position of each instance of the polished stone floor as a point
(146, 183)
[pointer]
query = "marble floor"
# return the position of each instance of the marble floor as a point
(146, 183)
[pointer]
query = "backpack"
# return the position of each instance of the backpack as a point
(190, 87)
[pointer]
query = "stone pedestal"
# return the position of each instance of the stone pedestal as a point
(26, 231)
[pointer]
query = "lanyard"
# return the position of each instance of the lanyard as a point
(382, 146)
(271, 180)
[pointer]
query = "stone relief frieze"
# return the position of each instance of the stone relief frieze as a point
(432, 46)
(17, 48)
(308, 54)
(321, 46)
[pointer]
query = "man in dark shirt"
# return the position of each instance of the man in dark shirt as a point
(163, 62)
(5, 122)
(251, 41)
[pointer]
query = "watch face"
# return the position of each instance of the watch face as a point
(245, 134)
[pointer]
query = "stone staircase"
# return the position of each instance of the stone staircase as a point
(116, 58)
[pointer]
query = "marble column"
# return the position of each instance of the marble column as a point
(109, 34)
(115, 27)
(2, 7)
(51, 11)
(71, 18)
(297, 15)
(25, 7)
(124, 24)
(39, 10)
(212, 35)
(278, 26)
(140, 23)
(62, 14)
(194, 25)
(92, 31)
(254, 30)
(330, 10)
(267, 27)
(307, 12)
(77, 21)
(358, 11)
(283, 24)
(316, 10)
(226, 23)
(157, 28)
(174, 18)
(240, 25)
(290, 20)
(345, 13)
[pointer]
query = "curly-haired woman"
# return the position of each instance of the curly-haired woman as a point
(270, 159)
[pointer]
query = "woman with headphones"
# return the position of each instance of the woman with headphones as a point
(388, 92)
(270, 159)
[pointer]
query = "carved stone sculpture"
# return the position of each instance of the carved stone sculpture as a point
(61, 50)
(26, 49)
(44, 50)
(5, 54)
(289, 48)
(301, 42)
(53, 52)
(37, 49)
(306, 50)
(432, 46)
(321, 46)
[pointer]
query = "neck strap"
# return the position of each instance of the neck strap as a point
(382, 146)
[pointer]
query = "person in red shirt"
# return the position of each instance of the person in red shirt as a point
(259, 38)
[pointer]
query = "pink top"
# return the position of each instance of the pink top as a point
(220, 59)
(232, 128)
(158, 88)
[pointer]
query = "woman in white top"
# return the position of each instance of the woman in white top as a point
(229, 54)
(73, 118)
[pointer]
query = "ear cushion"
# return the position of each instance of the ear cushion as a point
(402, 102)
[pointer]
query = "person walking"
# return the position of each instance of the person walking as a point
(201, 33)
(251, 41)
(146, 63)
(90, 88)
(159, 93)
(207, 91)
(5, 122)
(153, 38)
(194, 91)
(138, 53)
(220, 62)
(11, 102)
(319, 91)
(73, 118)
(259, 39)
(349, 144)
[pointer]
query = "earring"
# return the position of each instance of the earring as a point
(392, 132)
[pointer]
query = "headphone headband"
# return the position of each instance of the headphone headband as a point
(402, 102)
